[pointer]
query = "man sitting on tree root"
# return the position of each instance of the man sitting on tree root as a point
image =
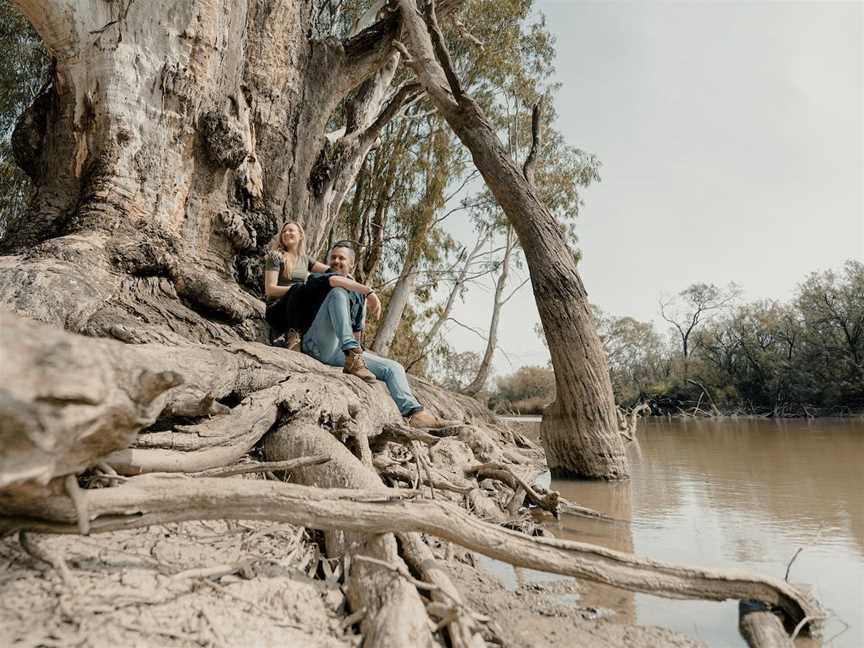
(333, 336)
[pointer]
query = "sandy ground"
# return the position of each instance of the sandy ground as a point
(134, 588)
(249, 584)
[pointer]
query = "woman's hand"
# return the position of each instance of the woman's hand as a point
(374, 305)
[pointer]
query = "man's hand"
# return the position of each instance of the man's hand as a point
(374, 305)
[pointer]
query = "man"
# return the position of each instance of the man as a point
(333, 336)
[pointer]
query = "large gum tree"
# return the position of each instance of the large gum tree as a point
(175, 138)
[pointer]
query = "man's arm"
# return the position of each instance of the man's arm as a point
(338, 281)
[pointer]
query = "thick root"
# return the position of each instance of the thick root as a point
(147, 500)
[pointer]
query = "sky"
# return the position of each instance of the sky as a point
(731, 142)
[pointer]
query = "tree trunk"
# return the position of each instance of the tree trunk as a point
(422, 216)
(173, 142)
(402, 291)
(492, 341)
(579, 429)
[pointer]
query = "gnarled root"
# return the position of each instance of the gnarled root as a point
(147, 500)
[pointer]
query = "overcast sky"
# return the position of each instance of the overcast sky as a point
(731, 140)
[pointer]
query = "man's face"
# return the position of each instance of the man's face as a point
(341, 260)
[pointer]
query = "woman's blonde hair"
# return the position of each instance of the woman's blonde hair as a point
(301, 245)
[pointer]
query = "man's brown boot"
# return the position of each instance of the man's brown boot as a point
(426, 419)
(292, 340)
(355, 365)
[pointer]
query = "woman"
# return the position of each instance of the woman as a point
(286, 267)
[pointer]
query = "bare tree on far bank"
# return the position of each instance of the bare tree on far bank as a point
(693, 306)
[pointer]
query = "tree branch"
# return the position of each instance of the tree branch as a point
(405, 95)
(441, 52)
(531, 160)
(54, 21)
(515, 290)
(465, 326)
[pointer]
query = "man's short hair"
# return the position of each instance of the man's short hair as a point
(348, 245)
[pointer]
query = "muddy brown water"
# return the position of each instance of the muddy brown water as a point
(734, 493)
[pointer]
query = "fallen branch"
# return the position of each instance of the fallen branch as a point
(244, 567)
(705, 391)
(148, 500)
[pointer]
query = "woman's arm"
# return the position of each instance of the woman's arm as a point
(338, 281)
(271, 284)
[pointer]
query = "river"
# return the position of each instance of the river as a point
(735, 493)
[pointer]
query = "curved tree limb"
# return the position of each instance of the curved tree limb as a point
(54, 21)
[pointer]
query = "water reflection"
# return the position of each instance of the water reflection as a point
(614, 499)
(739, 494)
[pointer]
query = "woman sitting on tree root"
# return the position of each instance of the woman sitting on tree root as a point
(286, 267)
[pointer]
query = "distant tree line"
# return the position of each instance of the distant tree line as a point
(800, 358)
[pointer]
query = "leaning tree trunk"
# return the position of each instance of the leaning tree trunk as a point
(173, 141)
(580, 428)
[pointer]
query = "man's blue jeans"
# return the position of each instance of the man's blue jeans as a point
(330, 335)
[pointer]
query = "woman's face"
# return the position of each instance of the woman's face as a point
(290, 237)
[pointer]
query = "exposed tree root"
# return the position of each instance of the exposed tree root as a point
(395, 615)
(461, 622)
(264, 466)
(149, 500)
(303, 415)
(39, 553)
(547, 501)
